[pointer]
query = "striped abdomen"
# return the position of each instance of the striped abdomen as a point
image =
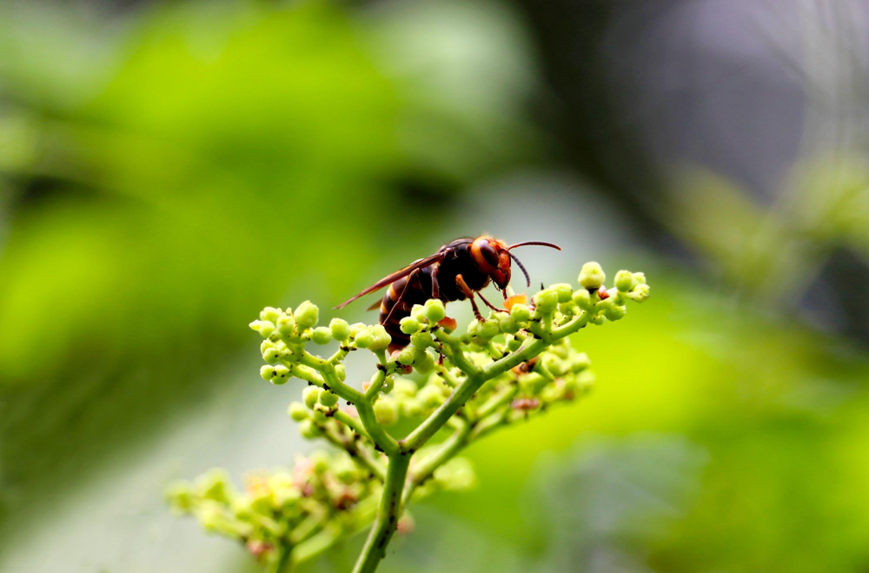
(418, 291)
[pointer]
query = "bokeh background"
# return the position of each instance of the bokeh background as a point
(169, 168)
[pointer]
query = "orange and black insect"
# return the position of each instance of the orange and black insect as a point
(457, 271)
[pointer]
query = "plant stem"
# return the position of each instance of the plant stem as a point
(444, 452)
(281, 563)
(387, 515)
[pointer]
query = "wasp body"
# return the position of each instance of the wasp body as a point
(459, 270)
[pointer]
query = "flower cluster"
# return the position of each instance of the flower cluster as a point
(436, 395)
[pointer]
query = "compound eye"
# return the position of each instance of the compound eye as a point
(489, 254)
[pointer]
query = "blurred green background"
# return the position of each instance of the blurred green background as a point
(169, 168)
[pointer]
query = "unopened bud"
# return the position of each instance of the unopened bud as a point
(340, 329)
(264, 327)
(311, 395)
(624, 281)
(380, 338)
(409, 325)
(546, 301)
(282, 374)
(563, 290)
(322, 335)
(307, 315)
(364, 339)
(435, 310)
(591, 276)
(640, 293)
(521, 312)
(285, 324)
(328, 399)
(270, 313)
(386, 411)
(298, 412)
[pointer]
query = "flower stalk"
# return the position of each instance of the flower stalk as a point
(502, 370)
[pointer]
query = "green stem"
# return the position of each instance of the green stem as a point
(496, 402)
(387, 515)
(330, 377)
(316, 545)
(351, 422)
(444, 452)
(378, 435)
(282, 561)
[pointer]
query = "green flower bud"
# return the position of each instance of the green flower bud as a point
(422, 339)
(213, 484)
(611, 310)
(270, 313)
(585, 379)
(322, 335)
(407, 355)
(435, 310)
(272, 355)
(328, 399)
(521, 312)
(364, 339)
(554, 365)
(488, 330)
(267, 373)
(591, 276)
(319, 416)
(546, 301)
(568, 308)
(388, 385)
(286, 323)
(386, 411)
(213, 520)
(404, 387)
(341, 372)
(563, 290)
(598, 319)
(282, 374)
(307, 315)
(624, 281)
(411, 407)
(418, 313)
(356, 328)
(298, 412)
(340, 329)
(311, 395)
(309, 430)
(264, 327)
(431, 396)
(409, 325)
(320, 461)
(180, 496)
(426, 364)
(640, 293)
(582, 298)
(381, 338)
(507, 323)
(513, 344)
(639, 279)
(579, 362)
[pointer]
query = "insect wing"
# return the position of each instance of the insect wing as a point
(389, 279)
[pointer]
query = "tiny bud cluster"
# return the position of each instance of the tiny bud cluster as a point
(513, 364)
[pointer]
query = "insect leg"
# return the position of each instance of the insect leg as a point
(435, 286)
(489, 304)
(460, 282)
